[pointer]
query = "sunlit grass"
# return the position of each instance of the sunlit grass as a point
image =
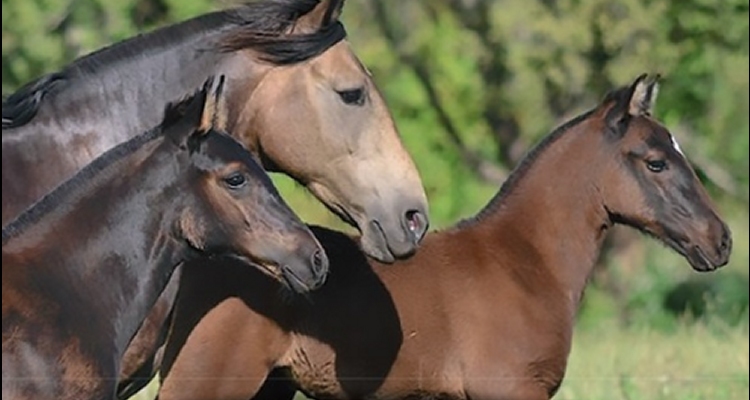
(697, 361)
(149, 392)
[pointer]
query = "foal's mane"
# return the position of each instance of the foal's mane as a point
(172, 115)
(261, 26)
(618, 96)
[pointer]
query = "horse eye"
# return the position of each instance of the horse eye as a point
(656, 165)
(235, 181)
(353, 97)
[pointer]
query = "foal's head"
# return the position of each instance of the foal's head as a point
(234, 208)
(652, 186)
(323, 122)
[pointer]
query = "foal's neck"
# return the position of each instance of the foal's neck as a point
(107, 251)
(556, 211)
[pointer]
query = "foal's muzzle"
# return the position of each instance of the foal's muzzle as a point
(303, 279)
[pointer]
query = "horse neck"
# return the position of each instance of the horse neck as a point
(97, 112)
(111, 248)
(138, 87)
(120, 100)
(553, 221)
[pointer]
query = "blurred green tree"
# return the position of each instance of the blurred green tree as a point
(473, 83)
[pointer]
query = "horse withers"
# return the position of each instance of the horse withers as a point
(83, 267)
(485, 310)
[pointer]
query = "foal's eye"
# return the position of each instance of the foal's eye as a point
(656, 165)
(235, 181)
(352, 97)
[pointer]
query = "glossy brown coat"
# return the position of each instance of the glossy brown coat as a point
(298, 98)
(83, 267)
(484, 310)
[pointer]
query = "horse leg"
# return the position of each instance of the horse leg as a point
(226, 354)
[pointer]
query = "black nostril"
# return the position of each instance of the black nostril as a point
(416, 223)
(726, 241)
(319, 262)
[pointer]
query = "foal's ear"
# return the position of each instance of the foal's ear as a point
(182, 117)
(214, 113)
(643, 95)
(198, 114)
(631, 101)
(326, 12)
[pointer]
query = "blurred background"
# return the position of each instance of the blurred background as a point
(472, 85)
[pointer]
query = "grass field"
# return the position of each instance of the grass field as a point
(694, 362)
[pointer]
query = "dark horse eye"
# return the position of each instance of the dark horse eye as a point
(353, 97)
(235, 181)
(656, 165)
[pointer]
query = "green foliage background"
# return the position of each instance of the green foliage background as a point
(472, 84)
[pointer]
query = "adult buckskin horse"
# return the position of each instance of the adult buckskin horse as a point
(298, 98)
(82, 267)
(484, 310)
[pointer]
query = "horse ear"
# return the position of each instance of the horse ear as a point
(326, 12)
(214, 113)
(643, 95)
(181, 117)
(631, 101)
(196, 114)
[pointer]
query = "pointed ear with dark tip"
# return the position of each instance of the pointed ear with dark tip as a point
(326, 12)
(181, 118)
(643, 95)
(198, 114)
(214, 113)
(631, 101)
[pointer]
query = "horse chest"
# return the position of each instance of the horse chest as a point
(313, 367)
(534, 364)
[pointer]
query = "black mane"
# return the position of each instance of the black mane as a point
(20, 107)
(261, 26)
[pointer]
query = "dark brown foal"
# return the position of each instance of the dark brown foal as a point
(83, 267)
(484, 310)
